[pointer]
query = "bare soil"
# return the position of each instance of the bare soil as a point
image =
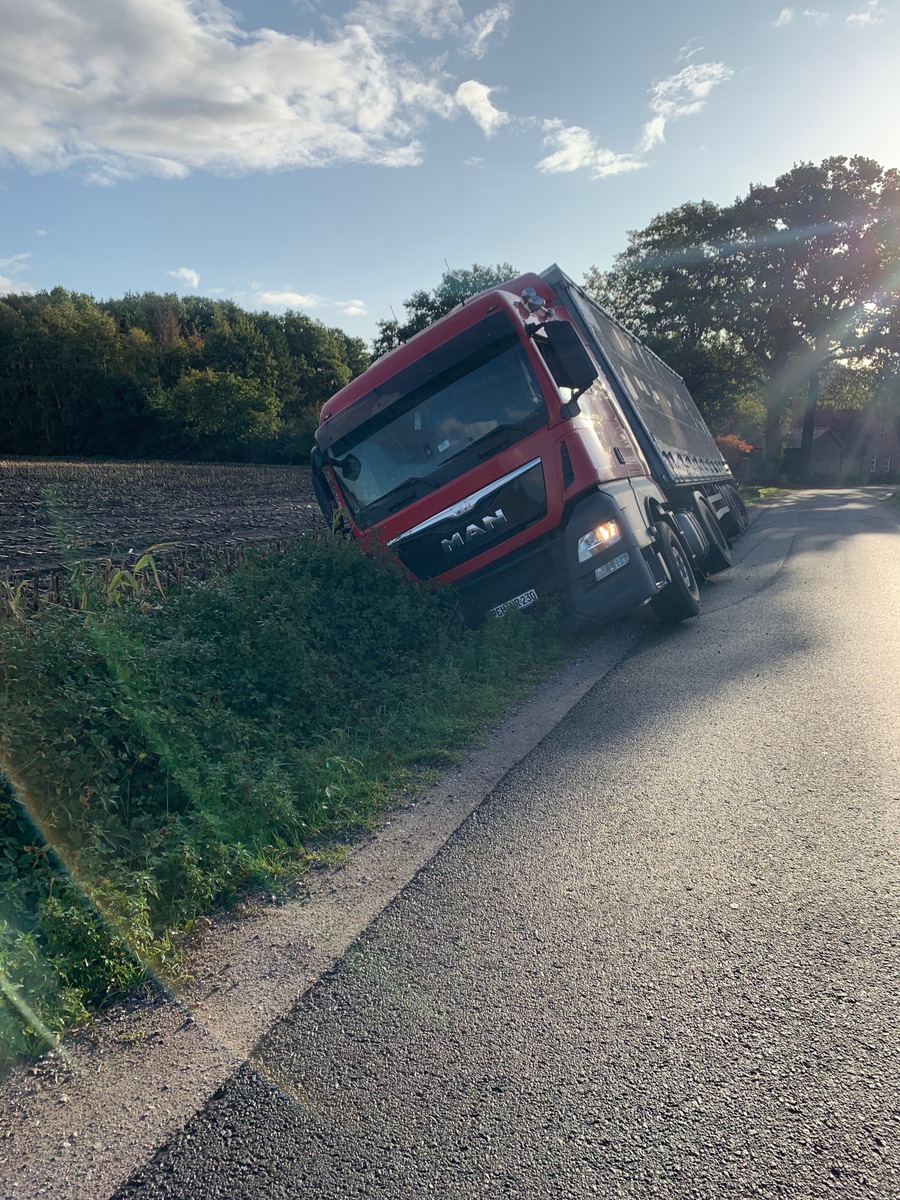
(54, 513)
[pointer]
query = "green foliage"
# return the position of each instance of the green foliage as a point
(217, 409)
(789, 289)
(164, 376)
(123, 582)
(753, 494)
(164, 756)
(422, 308)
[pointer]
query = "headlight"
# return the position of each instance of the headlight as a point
(598, 539)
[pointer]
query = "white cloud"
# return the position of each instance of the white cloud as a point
(477, 32)
(11, 283)
(286, 299)
(41, 232)
(164, 87)
(688, 50)
(10, 286)
(681, 95)
(786, 16)
(475, 98)
(186, 275)
(394, 18)
(352, 308)
(872, 14)
(576, 149)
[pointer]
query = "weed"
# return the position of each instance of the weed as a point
(16, 598)
(123, 582)
(759, 495)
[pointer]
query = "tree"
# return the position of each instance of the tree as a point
(422, 308)
(818, 252)
(667, 287)
(769, 291)
(218, 410)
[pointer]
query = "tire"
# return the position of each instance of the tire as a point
(738, 510)
(680, 599)
(718, 556)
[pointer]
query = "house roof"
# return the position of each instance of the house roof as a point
(796, 436)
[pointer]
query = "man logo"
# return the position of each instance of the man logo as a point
(471, 532)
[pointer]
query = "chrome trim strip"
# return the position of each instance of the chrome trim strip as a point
(463, 506)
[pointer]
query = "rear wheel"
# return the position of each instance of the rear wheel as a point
(718, 557)
(680, 598)
(739, 514)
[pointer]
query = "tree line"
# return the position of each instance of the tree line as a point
(164, 376)
(785, 298)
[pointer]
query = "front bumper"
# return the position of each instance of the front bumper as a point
(549, 566)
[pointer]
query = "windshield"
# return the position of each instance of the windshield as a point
(483, 402)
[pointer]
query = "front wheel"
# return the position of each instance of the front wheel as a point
(679, 600)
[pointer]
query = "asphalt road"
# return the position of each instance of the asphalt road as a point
(660, 960)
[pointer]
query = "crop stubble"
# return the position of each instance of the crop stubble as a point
(55, 513)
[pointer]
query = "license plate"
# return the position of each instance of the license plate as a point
(522, 601)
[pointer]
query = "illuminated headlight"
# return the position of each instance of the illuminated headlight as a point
(598, 539)
(615, 564)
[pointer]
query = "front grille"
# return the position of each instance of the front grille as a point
(486, 518)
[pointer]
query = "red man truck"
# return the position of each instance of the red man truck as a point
(527, 446)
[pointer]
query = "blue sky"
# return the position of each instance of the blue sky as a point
(331, 156)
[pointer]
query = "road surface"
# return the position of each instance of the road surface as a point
(660, 960)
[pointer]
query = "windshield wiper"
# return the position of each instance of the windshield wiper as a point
(485, 445)
(414, 481)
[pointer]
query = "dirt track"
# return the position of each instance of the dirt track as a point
(54, 513)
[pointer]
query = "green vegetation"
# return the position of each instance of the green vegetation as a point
(152, 376)
(424, 307)
(894, 500)
(759, 495)
(164, 377)
(167, 750)
(769, 305)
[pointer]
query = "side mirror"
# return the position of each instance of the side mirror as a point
(322, 491)
(349, 466)
(565, 355)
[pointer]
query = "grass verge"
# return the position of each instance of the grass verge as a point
(894, 501)
(161, 754)
(759, 495)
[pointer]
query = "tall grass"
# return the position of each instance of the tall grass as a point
(164, 752)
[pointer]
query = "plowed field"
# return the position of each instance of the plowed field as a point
(54, 513)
